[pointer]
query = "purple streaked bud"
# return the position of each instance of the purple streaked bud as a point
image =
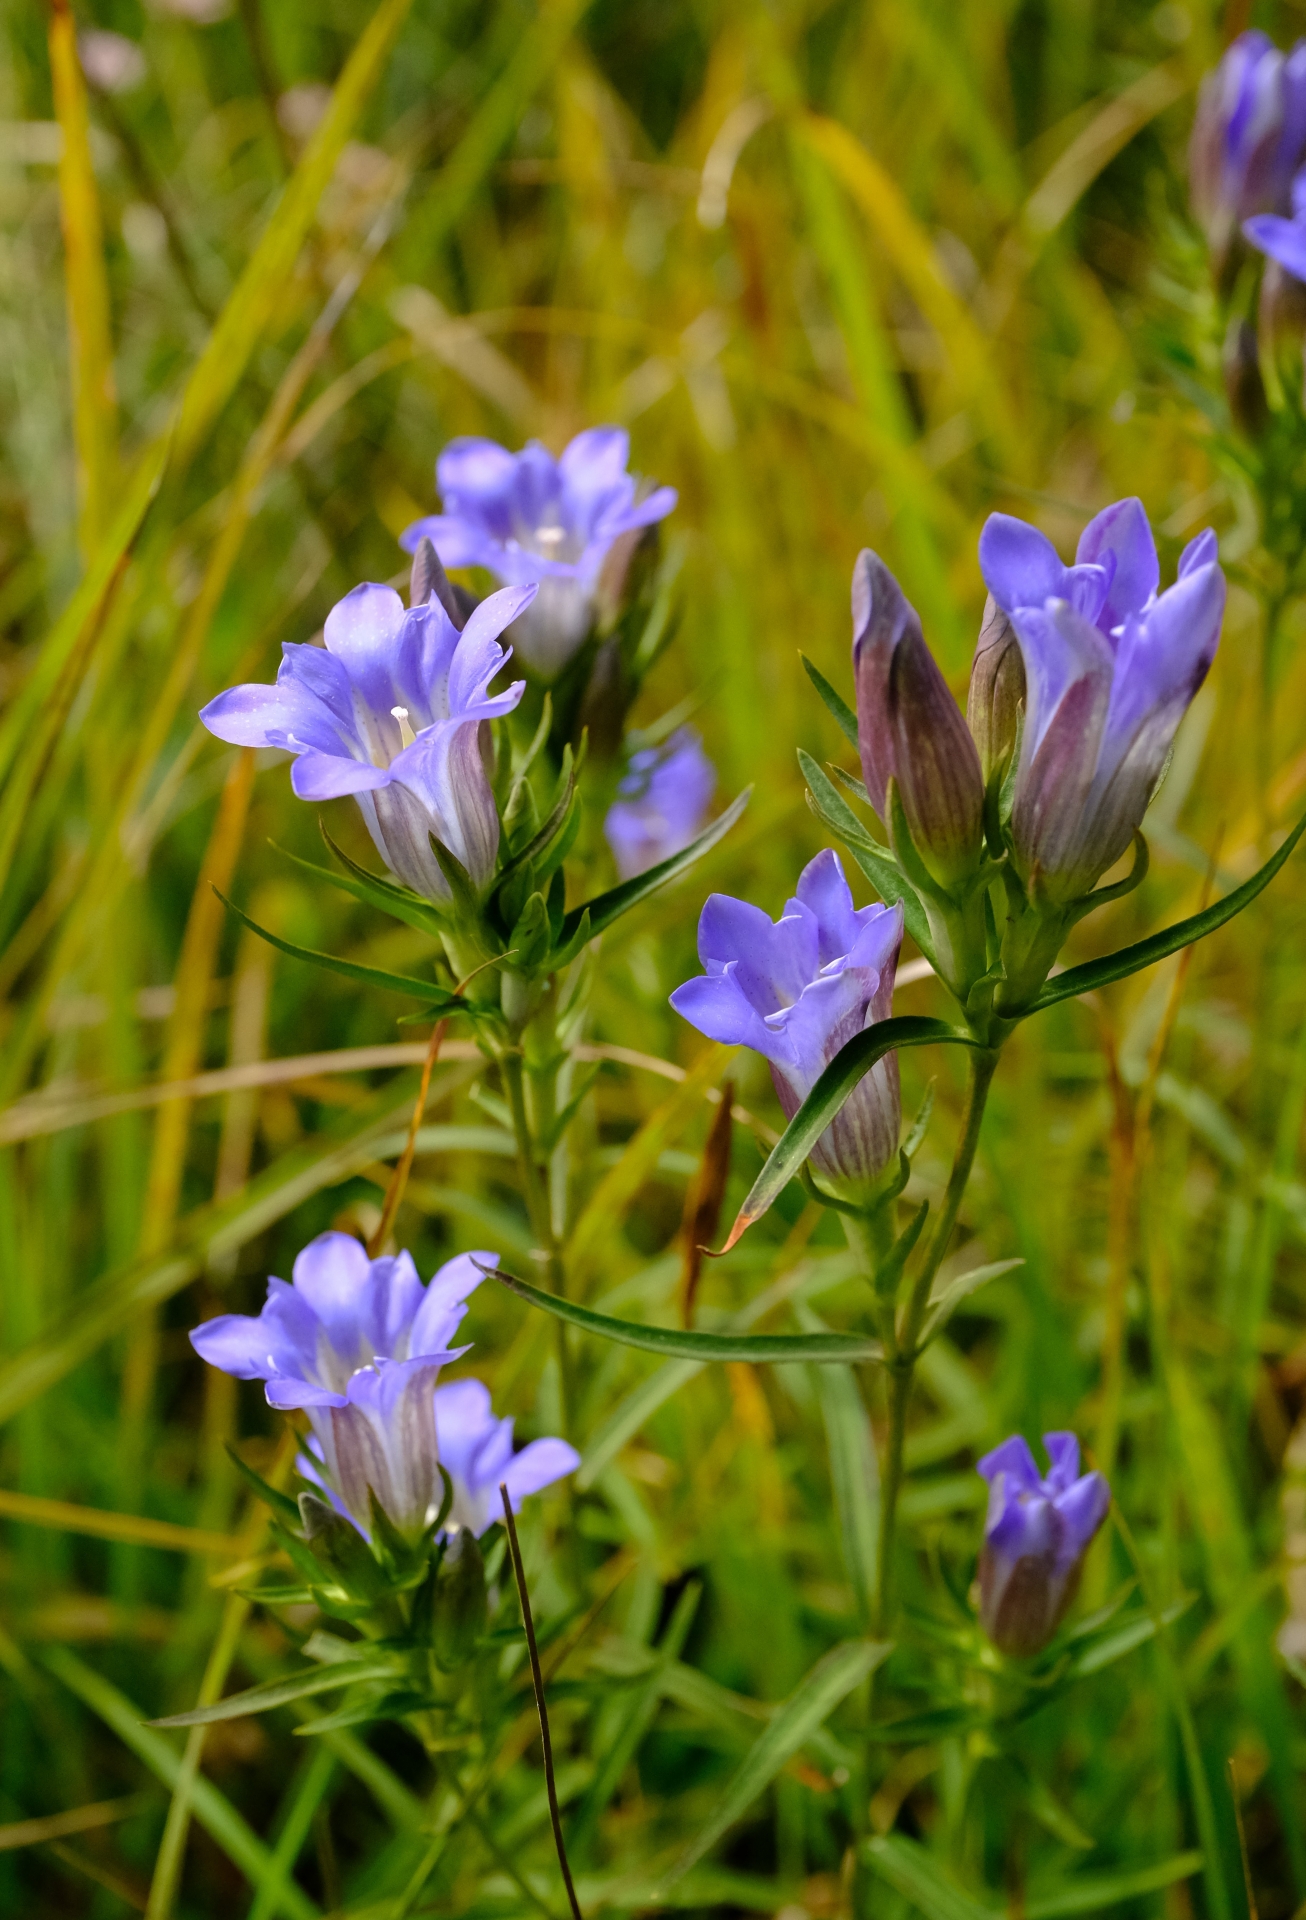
(910, 729)
(795, 990)
(1036, 1535)
(1110, 670)
(997, 693)
(1248, 138)
(529, 517)
(390, 710)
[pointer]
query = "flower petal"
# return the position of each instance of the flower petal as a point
(1123, 532)
(1020, 565)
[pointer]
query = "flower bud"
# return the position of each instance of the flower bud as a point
(997, 693)
(910, 728)
(1036, 1535)
(460, 1600)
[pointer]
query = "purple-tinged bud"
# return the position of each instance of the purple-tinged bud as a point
(1036, 1535)
(997, 693)
(1247, 139)
(911, 730)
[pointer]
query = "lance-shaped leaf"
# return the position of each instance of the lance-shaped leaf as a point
(611, 905)
(851, 1064)
(844, 717)
(299, 1686)
(1145, 953)
(875, 861)
(682, 1343)
(370, 888)
(794, 1721)
(436, 997)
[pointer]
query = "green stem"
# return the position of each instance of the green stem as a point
(901, 1350)
(540, 1210)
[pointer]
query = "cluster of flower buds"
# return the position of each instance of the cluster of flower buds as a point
(1081, 676)
(397, 1469)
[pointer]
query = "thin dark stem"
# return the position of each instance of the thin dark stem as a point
(538, 1679)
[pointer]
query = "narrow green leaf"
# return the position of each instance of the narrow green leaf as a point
(276, 1693)
(855, 1477)
(945, 1300)
(1122, 1640)
(211, 1808)
(381, 891)
(681, 1344)
(1145, 953)
(1100, 1892)
(811, 1703)
(618, 900)
(437, 997)
(272, 1496)
(875, 861)
(917, 1875)
(851, 1064)
(844, 717)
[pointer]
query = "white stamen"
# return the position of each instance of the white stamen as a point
(406, 734)
(550, 536)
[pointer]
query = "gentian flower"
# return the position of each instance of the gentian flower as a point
(476, 1452)
(911, 730)
(530, 518)
(795, 990)
(358, 1344)
(1248, 137)
(661, 803)
(1035, 1537)
(1284, 240)
(1110, 669)
(390, 711)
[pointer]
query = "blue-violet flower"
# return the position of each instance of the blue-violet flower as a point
(1110, 669)
(530, 517)
(661, 803)
(1036, 1534)
(390, 711)
(358, 1344)
(1248, 137)
(796, 990)
(476, 1452)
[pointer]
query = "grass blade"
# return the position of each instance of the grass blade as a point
(811, 1703)
(917, 1875)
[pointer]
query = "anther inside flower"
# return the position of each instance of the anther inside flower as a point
(1038, 1529)
(390, 711)
(795, 990)
(530, 517)
(1111, 666)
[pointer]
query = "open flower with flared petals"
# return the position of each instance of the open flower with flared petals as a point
(1249, 136)
(1039, 1528)
(661, 803)
(390, 711)
(530, 517)
(476, 1452)
(358, 1344)
(1110, 669)
(796, 990)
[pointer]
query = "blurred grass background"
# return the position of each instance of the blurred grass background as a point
(852, 274)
